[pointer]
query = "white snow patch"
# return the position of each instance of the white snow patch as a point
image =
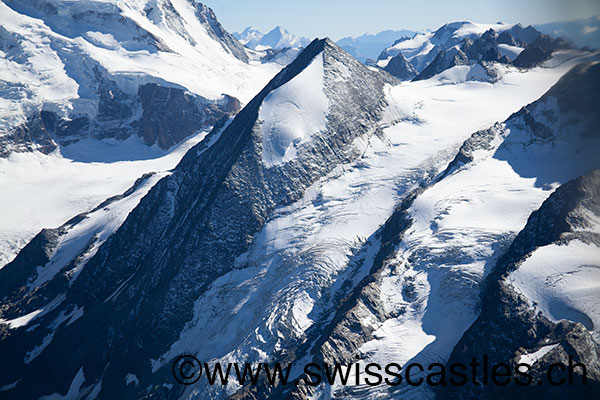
(396, 337)
(471, 28)
(68, 317)
(563, 282)
(344, 72)
(45, 191)
(419, 44)
(26, 319)
(292, 113)
(105, 40)
(10, 386)
(532, 358)
(21, 321)
(509, 51)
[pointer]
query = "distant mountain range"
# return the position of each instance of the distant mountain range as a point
(471, 45)
(364, 47)
(369, 46)
(581, 32)
(277, 38)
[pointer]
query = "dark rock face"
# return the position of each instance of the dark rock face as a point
(17, 274)
(485, 47)
(480, 140)
(170, 115)
(539, 50)
(18, 294)
(506, 38)
(401, 68)
(575, 95)
(443, 61)
(548, 43)
(138, 291)
(475, 48)
(370, 62)
(531, 56)
(30, 136)
(508, 327)
(471, 51)
(524, 36)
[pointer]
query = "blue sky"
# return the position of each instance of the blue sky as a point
(338, 18)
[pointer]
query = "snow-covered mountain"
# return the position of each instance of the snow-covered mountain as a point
(369, 46)
(450, 233)
(263, 153)
(322, 222)
(276, 38)
(340, 215)
(467, 43)
(248, 34)
(113, 69)
(544, 290)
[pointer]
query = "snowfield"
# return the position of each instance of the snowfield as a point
(292, 113)
(563, 282)
(44, 191)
